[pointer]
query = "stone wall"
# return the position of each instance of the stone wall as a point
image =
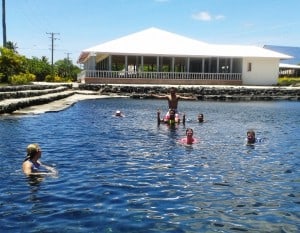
(13, 98)
(239, 93)
(22, 92)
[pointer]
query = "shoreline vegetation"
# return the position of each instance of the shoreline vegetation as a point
(45, 97)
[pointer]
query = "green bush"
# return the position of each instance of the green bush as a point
(21, 79)
(57, 79)
(287, 81)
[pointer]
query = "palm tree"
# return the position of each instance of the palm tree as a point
(11, 45)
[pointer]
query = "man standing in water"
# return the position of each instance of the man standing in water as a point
(173, 99)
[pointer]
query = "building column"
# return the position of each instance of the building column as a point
(126, 63)
(231, 65)
(218, 64)
(142, 63)
(92, 62)
(109, 62)
(136, 64)
(173, 64)
(188, 65)
(157, 64)
(203, 65)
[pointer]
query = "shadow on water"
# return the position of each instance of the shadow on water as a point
(35, 181)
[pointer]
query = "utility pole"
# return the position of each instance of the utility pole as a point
(4, 23)
(52, 37)
(68, 64)
(68, 56)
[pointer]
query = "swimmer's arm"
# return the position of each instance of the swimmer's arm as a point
(159, 96)
(187, 97)
(28, 171)
(50, 169)
(42, 173)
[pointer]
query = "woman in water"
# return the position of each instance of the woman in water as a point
(32, 164)
(189, 139)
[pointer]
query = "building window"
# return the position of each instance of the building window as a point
(249, 66)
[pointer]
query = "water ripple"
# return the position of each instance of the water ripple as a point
(130, 175)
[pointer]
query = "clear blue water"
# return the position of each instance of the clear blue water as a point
(130, 175)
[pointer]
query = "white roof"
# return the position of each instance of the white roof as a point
(289, 66)
(154, 41)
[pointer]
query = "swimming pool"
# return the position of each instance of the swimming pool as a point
(131, 175)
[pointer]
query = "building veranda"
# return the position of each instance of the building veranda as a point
(154, 56)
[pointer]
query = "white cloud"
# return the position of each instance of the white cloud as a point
(206, 16)
(202, 16)
(219, 17)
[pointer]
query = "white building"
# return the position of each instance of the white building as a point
(154, 56)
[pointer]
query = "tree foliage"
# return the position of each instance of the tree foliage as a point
(39, 67)
(11, 63)
(12, 46)
(21, 79)
(66, 69)
(14, 66)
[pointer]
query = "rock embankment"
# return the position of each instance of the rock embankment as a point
(224, 93)
(15, 98)
(17, 92)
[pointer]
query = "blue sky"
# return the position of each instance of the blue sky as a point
(80, 24)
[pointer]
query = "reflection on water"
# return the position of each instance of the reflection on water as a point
(131, 175)
(35, 181)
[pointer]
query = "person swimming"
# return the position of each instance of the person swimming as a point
(119, 113)
(32, 164)
(172, 117)
(251, 138)
(189, 139)
(200, 118)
